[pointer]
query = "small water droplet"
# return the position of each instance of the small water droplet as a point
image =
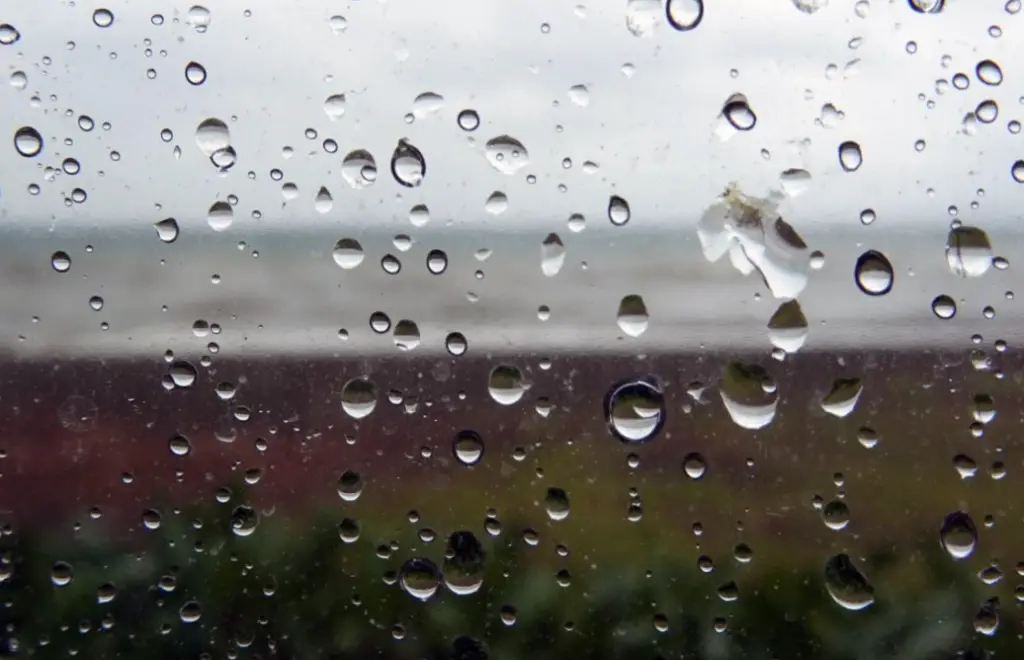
(989, 72)
(556, 504)
(873, 273)
(195, 73)
(28, 142)
(407, 164)
(350, 486)
(579, 95)
(497, 203)
(850, 156)
(212, 135)
(334, 106)
(787, 328)
(468, 447)
(455, 343)
(632, 316)
(359, 169)
(323, 202)
(183, 374)
(847, 585)
(406, 335)
(220, 216)
(426, 104)
(419, 577)
(60, 261)
(8, 34)
(836, 515)
(180, 445)
(635, 411)
(618, 210)
(738, 113)
(958, 535)
(61, 574)
(944, 307)
(552, 255)
(437, 262)
(468, 120)
(694, 466)
(167, 230)
(463, 572)
(199, 18)
(103, 18)
(506, 385)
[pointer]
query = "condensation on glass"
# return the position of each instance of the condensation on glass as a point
(475, 329)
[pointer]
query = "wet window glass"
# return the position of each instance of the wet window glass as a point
(477, 329)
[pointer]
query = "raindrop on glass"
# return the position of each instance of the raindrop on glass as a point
(635, 411)
(873, 273)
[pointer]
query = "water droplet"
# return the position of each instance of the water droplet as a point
(420, 578)
(8, 34)
(927, 6)
(338, 24)
(986, 112)
(468, 447)
(618, 210)
(694, 465)
(468, 120)
(18, 80)
(350, 486)
(407, 165)
(787, 328)
(323, 202)
(1017, 171)
(182, 374)
(986, 621)
(738, 113)
(359, 169)
(195, 73)
(750, 231)
(632, 316)
(749, 394)
(944, 307)
(684, 15)
(334, 106)
(180, 445)
(497, 203)
(151, 519)
(552, 255)
(842, 398)
(968, 251)
(455, 343)
(989, 72)
(426, 104)
(556, 503)
(61, 574)
(103, 18)
(167, 230)
(28, 142)
(464, 564)
(437, 262)
(198, 17)
(406, 335)
(379, 322)
(220, 216)
(809, 6)
(635, 411)
(348, 253)
(958, 535)
(505, 384)
(873, 273)
(642, 16)
(983, 409)
(358, 398)
(212, 135)
(850, 156)
(506, 154)
(190, 612)
(244, 520)
(60, 261)
(579, 95)
(847, 586)
(836, 515)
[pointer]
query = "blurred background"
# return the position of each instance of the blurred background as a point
(472, 330)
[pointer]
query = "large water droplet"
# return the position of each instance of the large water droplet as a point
(61, 574)
(437, 262)
(348, 253)
(787, 328)
(359, 169)
(350, 486)
(618, 210)
(464, 564)
(426, 104)
(199, 18)
(183, 374)
(873, 273)
(579, 95)
(323, 202)
(220, 216)
(842, 398)
(60, 261)
(694, 465)
(506, 154)
(28, 142)
(642, 16)
(944, 307)
(847, 586)
(552, 255)
(334, 106)
(497, 203)
(468, 120)
(407, 164)
(684, 15)
(632, 316)
(986, 620)
(958, 535)
(505, 384)
(420, 578)
(8, 34)
(212, 135)
(358, 398)
(989, 72)
(556, 504)
(968, 252)
(750, 231)
(836, 515)
(468, 447)
(406, 335)
(167, 230)
(850, 156)
(635, 411)
(244, 520)
(103, 18)
(749, 394)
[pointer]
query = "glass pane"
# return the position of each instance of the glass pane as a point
(478, 329)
